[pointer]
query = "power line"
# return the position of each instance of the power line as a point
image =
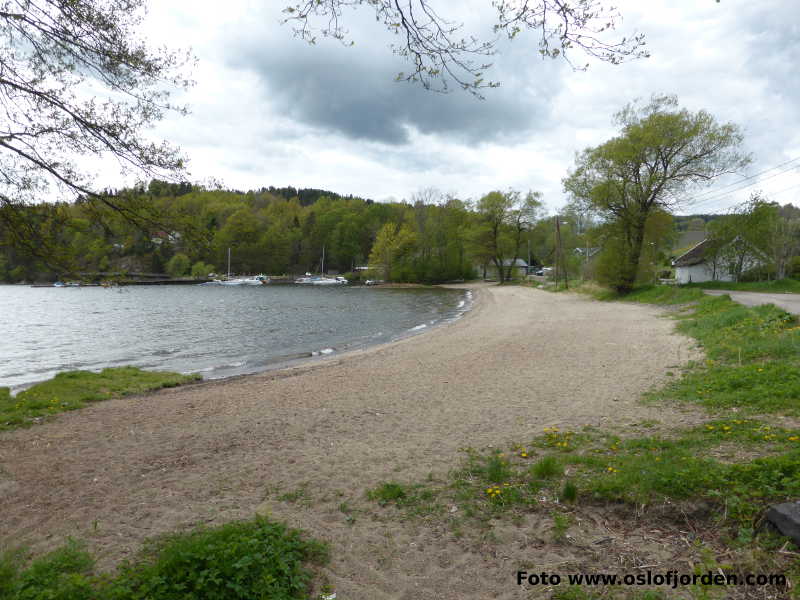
(743, 187)
(736, 183)
(791, 187)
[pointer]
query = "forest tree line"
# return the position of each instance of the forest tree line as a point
(186, 230)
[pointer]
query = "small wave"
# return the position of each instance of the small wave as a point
(461, 304)
(418, 327)
(166, 351)
(322, 352)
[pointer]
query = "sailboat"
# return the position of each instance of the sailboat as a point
(260, 279)
(310, 279)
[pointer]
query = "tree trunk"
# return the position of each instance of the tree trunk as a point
(500, 272)
(630, 266)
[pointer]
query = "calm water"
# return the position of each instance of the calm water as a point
(217, 331)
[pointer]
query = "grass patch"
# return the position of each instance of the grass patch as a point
(656, 294)
(75, 389)
(777, 286)
(756, 388)
(753, 354)
(241, 560)
(416, 500)
(640, 470)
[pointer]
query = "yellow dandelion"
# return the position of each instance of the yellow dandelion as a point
(793, 438)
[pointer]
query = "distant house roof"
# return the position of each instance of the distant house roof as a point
(694, 256)
(689, 239)
(516, 263)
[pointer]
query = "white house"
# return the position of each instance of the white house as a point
(519, 268)
(696, 265)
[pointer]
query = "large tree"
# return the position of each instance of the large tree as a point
(76, 80)
(502, 219)
(440, 53)
(661, 154)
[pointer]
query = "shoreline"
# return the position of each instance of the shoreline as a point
(300, 443)
(300, 358)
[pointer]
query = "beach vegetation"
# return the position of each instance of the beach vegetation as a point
(72, 390)
(244, 560)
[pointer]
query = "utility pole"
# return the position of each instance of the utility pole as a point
(528, 272)
(555, 250)
(560, 256)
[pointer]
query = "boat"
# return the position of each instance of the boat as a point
(260, 279)
(254, 280)
(310, 279)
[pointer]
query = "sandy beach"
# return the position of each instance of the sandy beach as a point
(123, 470)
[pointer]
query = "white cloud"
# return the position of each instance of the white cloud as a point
(260, 115)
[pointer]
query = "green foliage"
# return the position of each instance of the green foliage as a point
(201, 270)
(660, 294)
(266, 233)
(240, 560)
(624, 181)
(73, 389)
(245, 560)
(63, 574)
(178, 265)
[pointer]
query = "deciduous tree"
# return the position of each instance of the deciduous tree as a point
(77, 80)
(661, 154)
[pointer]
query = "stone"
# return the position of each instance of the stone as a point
(786, 519)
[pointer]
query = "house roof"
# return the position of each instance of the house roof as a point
(695, 255)
(517, 263)
(688, 239)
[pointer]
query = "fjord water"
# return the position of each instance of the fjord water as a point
(216, 331)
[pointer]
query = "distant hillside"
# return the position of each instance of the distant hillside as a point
(308, 196)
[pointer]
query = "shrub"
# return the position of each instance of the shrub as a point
(244, 560)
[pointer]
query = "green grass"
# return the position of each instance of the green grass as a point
(637, 471)
(655, 294)
(416, 500)
(74, 389)
(776, 286)
(242, 560)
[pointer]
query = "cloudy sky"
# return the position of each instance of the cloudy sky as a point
(268, 109)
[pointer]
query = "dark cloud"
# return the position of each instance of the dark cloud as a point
(351, 90)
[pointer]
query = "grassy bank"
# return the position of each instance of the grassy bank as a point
(775, 286)
(75, 389)
(244, 560)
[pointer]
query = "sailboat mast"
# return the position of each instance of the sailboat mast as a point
(229, 262)
(322, 267)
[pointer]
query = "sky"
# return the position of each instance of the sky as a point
(268, 109)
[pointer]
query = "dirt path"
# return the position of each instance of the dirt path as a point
(523, 359)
